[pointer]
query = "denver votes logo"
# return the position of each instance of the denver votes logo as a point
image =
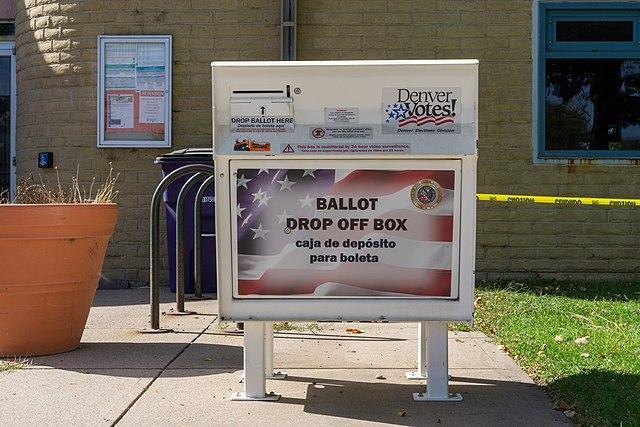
(426, 194)
(421, 110)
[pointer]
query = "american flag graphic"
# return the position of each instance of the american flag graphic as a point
(272, 263)
(400, 112)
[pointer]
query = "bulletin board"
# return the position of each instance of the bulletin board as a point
(134, 91)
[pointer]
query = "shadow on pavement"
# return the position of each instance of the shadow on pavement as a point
(145, 359)
(388, 402)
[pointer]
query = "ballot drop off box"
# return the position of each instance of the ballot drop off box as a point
(345, 191)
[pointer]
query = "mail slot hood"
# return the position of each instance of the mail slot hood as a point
(261, 102)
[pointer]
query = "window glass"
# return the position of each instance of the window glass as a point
(7, 31)
(594, 31)
(592, 104)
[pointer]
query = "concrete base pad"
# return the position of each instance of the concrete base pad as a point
(241, 397)
(423, 397)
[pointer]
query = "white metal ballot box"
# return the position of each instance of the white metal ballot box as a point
(345, 191)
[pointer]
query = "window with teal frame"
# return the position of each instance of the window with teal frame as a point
(589, 80)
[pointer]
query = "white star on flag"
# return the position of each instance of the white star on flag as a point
(259, 232)
(309, 172)
(306, 201)
(240, 209)
(259, 195)
(242, 182)
(246, 220)
(263, 170)
(264, 200)
(283, 217)
(285, 184)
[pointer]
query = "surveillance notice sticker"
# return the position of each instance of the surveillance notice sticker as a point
(421, 110)
(330, 233)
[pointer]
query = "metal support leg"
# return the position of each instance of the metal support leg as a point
(268, 355)
(421, 373)
(437, 366)
(254, 364)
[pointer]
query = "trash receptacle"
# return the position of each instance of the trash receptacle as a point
(170, 162)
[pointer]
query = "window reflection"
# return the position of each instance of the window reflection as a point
(592, 104)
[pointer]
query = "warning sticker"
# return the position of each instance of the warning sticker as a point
(341, 115)
(345, 148)
(341, 132)
(258, 124)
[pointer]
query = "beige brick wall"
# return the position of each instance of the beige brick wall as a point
(56, 51)
(56, 83)
(560, 241)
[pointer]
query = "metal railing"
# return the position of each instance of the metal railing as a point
(199, 173)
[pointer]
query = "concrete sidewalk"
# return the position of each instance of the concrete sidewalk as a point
(119, 376)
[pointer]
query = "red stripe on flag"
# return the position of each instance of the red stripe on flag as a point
(361, 183)
(379, 277)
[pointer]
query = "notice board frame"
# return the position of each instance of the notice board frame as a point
(166, 40)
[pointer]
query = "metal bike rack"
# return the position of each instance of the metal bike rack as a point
(180, 282)
(154, 240)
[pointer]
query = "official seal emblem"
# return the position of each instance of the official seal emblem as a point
(426, 194)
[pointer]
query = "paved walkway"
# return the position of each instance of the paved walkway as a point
(122, 377)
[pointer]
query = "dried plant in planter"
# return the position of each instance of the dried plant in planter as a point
(30, 191)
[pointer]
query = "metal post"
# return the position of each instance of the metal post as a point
(268, 355)
(421, 373)
(180, 281)
(154, 240)
(437, 366)
(254, 364)
(197, 239)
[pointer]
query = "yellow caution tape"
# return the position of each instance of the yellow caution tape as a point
(520, 198)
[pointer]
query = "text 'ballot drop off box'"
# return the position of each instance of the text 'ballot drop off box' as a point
(346, 191)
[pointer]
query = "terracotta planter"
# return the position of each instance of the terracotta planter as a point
(51, 257)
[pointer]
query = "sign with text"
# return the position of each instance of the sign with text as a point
(421, 110)
(134, 78)
(333, 233)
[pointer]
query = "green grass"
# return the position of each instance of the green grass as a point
(13, 365)
(537, 323)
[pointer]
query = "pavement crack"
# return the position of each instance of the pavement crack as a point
(153, 380)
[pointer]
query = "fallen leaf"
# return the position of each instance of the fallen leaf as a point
(477, 301)
(584, 354)
(208, 359)
(402, 413)
(582, 340)
(354, 331)
(380, 377)
(501, 347)
(558, 338)
(570, 414)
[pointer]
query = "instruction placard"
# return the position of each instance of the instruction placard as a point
(259, 124)
(341, 115)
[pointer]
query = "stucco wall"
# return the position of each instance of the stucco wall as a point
(56, 83)
(512, 240)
